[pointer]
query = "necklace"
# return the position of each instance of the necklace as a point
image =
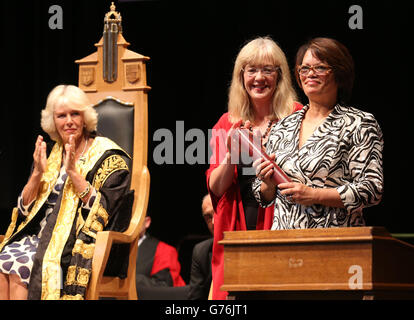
(81, 155)
(84, 148)
(266, 133)
(269, 126)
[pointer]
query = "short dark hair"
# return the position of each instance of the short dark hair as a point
(337, 56)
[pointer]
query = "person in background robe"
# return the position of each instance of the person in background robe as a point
(157, 265)
(200, 277)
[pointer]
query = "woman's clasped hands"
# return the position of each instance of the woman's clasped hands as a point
(295, 192)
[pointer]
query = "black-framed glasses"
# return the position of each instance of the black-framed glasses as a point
(319, 70)
(266, 70)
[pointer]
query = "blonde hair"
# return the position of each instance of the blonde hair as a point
(260, 51)
(69, 96)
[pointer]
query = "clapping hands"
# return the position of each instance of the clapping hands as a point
(39, 156)
(69, 160)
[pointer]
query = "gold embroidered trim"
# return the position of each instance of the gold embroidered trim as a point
(66, 216)
(103, 214)
(61, 231)
(71, 275)
(109, 166)
(96, 226)
(86, 250)
(77, 276)
(80, 222)
(93, 225)
(70, 297)
(89, 227)
(83, 277)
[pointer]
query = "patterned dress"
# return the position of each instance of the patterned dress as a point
(344, 152)
(18, 256)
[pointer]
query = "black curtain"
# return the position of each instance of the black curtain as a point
(192, 46)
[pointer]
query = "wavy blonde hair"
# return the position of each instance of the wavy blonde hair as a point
(69, 96)
(261, 51)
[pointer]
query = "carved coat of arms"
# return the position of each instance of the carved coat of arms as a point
(87, 76)
(133, 72)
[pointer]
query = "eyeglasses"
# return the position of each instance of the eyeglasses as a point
(266, 71)
(319, 70)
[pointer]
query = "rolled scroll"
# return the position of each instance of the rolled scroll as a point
(256, 151)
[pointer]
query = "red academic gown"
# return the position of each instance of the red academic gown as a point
(157, 264)
(228, 209)
(166, 256)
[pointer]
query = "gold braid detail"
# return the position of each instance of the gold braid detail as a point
(77, 276)
(84, 249)
(109, 166)
(70, 297)
(79, 271)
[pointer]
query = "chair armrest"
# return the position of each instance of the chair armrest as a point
(103, 245)
(105, 239)
(141, 184)
(109, 237)
(139, 209)
(1, 238)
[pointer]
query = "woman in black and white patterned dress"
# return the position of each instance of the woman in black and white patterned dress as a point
(331, 152)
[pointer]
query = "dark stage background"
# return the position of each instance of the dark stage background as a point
(192, 46)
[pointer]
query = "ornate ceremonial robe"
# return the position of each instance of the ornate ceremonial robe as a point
(62, 263)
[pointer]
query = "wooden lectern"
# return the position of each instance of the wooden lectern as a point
(332, 263)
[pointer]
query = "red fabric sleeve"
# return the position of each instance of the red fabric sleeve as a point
(166, 256)
(228, 209)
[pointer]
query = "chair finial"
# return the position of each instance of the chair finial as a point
(112, 28)
(113, 15)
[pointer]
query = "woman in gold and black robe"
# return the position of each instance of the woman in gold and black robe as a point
(78, 188)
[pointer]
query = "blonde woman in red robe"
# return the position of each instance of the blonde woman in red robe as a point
(260, 94)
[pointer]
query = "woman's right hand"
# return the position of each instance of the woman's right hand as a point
(264, 170)
(221, 177)
(230, 135)
(39, 167)
(39, 156)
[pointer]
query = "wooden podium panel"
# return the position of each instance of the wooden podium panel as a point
(358, 262)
